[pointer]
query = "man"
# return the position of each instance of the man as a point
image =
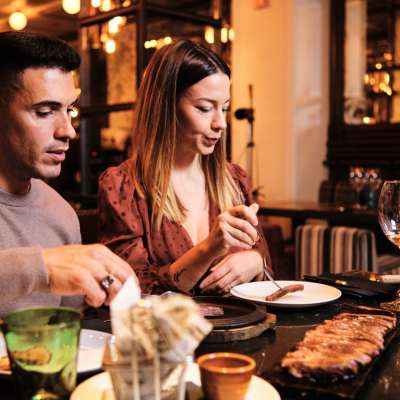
(41, 258)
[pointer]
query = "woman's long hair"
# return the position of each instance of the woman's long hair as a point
(171, 71)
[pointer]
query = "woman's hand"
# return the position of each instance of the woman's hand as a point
(234, 227)
(233, 270)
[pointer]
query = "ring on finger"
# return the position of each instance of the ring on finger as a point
(107, 282)
(231, 286)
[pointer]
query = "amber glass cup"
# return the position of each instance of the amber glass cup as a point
(226, 375)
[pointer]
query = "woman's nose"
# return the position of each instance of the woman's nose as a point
(219, 121)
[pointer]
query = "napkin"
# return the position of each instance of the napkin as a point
(126, 298)
(170, 325)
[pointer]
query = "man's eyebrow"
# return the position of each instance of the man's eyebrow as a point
(210, 100)
(53, 103)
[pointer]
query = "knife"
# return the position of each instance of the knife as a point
(338, 282)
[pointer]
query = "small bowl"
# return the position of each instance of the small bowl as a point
(226, 375)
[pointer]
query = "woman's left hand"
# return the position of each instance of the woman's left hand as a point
(233, 270)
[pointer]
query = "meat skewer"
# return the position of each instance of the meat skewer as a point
(284, 291)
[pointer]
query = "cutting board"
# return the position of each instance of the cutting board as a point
(244, 333)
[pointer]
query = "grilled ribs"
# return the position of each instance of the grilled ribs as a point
(340, 346)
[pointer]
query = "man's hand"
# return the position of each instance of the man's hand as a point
(78, 269)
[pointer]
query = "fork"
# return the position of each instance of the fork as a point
(265, 249)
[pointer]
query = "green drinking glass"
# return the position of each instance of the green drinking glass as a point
(42, 344)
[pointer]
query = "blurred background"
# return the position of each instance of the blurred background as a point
(323, 76)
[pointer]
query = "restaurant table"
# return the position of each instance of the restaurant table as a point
(269, 348)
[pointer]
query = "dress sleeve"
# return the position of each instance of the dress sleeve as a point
(243, 181)
(124, 227)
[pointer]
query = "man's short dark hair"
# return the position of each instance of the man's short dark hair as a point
(20, 51)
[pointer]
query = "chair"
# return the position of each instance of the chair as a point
(88, 224)
(322, 248)
(389, 264)
(282, 255)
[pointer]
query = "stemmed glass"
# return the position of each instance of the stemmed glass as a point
(358, 180)
(374, 181)
(389, 219)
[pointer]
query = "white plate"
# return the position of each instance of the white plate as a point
(91, 350)
(99, 387)
(313, 294)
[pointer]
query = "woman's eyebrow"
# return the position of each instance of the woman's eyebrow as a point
(212, 101)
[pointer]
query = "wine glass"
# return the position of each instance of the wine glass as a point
(373, 184)
(357, 180)
(389, 220)
(374, 181)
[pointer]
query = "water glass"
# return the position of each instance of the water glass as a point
(42, 344)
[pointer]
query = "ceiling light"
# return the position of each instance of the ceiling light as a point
(112, 26)
(17, 21)
(224, 35)
(96, 3)
(106, 5)
(110, 46)
(209, 34)
(71, 6)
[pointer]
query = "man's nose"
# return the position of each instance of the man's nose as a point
(64, 127)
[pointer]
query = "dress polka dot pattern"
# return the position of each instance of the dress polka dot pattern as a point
(124, 227)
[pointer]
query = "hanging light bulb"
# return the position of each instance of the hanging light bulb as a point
(96, 3)
(209, 34)
(71, 6)
(110, 46)
(17, 21)
(231, 35)
(106, 5)
(224, 35)
(112, 26)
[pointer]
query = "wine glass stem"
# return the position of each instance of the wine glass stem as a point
(358, 197)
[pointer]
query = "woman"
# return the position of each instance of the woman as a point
(174, 211)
